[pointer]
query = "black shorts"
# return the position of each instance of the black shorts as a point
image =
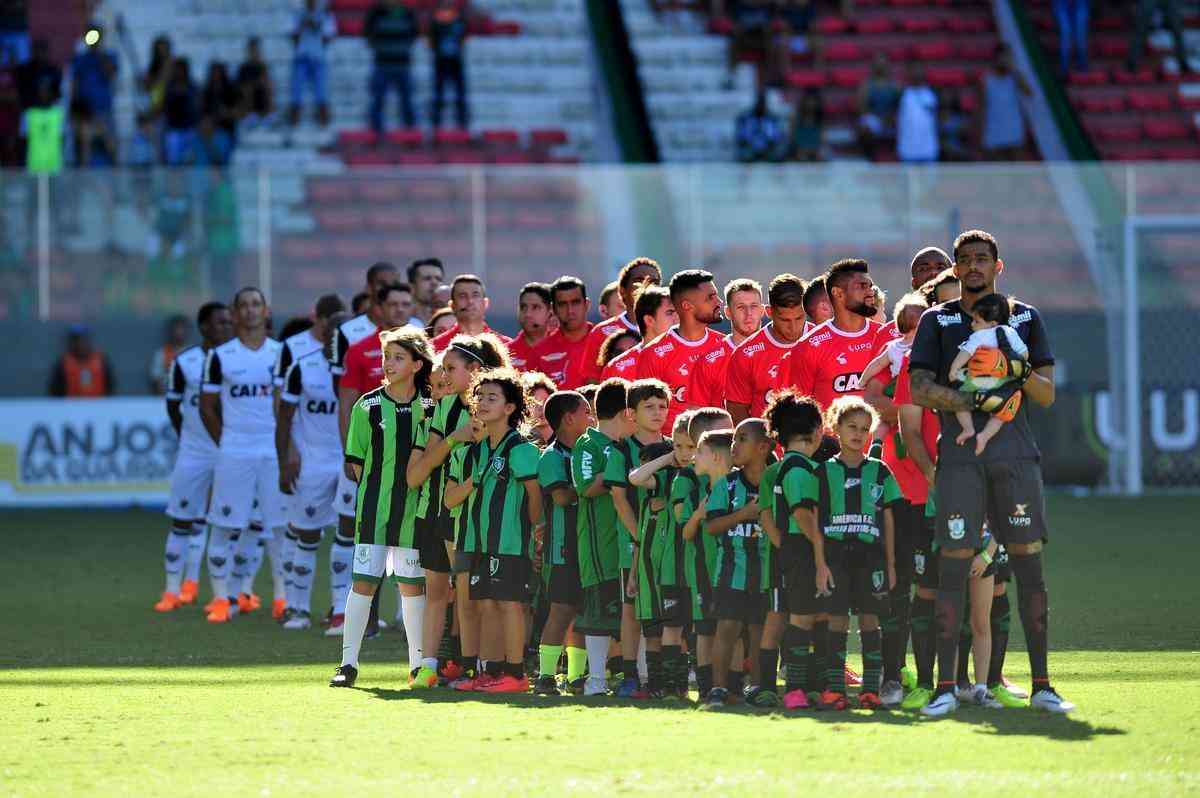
(925, 559)
(463, 562)
(1008, 495)
(562, 584)
(701, 606)
(502, 577)
(859, 578)
(1002, 566)
(800, 576)
(745, 606)
(676, 606)
(600, 610)
(625, 597)
(433, 550)
(909, 525)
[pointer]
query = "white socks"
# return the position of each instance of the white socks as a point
(597, 654)
(341, 556)
(195, 552)
(289, 554)
(412, 608)
(358, 609)
(220, 555)
(304, 562)
(175, 556)
(245, 553)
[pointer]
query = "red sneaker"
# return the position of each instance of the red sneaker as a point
(188, 591)
(507, 684)
(852, 678)
(484, 680)
(870, 701)
(451, 671)
(831, 700)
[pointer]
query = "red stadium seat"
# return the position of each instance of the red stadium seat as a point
(1167, 128)
(356, 138)
(350, 25)
(848, 77)
(512, 158)
(921, 25)
(416, 159)
(870, 25)
(1180, 152)
(405, 137)
(845, 51)
(1110, 22)
(937, 50)
(330, 191)
(968, 24)
(722, 26)
(1140, 76)
(339, 221)
(897, 52)
(1114, 130)
(547, 137)
(975, 51)
(355, 250)
(368, 158)
(461, 157)
(380, 191)
(451, 137)
(1093, 77)
(501, 138)
(806, 78)
(1148, 100)
(304, 249)
(351, 5)
(506, 28)
(831, 25)
(947, 77)
(1100, 104)
(969, 101)
(388, 219)
(1111, 46)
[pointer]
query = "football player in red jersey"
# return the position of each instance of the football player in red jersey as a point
(655, 315)
(816, 303)
(469, 301)
(560, 354)
(533, 316)
(744, 307)
(634, 275)
(759, 365)
(672, 356)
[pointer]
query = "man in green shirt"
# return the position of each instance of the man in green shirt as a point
(43, 127)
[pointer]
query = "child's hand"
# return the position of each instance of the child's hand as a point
(464, 434)
(631, 585)
(824, 580)
(978, 566)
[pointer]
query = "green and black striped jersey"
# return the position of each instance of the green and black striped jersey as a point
(689, 490)
(448, 415)
(596, 524)
(498, 521)
(852, 498)
(554, 472)
(744, 554)
(381, 439)
(793, 483)
(666, 547)
(626, 455)
(458, 465)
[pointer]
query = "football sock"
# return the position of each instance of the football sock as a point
(597, 654)
(412, 608)
(577, 661)
(768, 666)
(241, 577)
(948, 609)
(515, 669)
(923, 640)
(872, 659)
(548, 657)
(220, 554)
(674, 668)
(965, 638)
(629, 669)
(835, 672)
(734, 682)
(254, 556)
(175, 556)
(494, 668)
(195, 552)
(341, 555)
(654, 670)
(273, 543)
(797, 652)
(304, 563)
(1001, 617)
(358, 607)
(895, 630)
(288, 554)
(819, 663)
(704, 679)
(1034, 607)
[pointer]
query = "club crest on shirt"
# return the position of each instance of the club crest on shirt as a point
(498, 464)
(877, 580)
(680, 393)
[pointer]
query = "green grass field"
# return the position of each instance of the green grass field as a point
(101, 696)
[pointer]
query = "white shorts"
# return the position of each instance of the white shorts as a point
(345, 498)
(191, 480)
(242, 483)
(311, 502)
(372, 562)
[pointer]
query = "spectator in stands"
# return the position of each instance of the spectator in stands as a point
(142, 151)
(10, 121)
(36, 71)
(1003, 119)
(222, 232)
(154, 80)
(807, 127)
(916, 120)
(448, 37)
(93, 72)
(314, 29)
(1072, 19)
(759, 134)
(254, 84)
(751, 27)
(94, 144)
(212, 145)
(220, 98)
(180, 113)
(14, 33)
(953, 126)
(442, 321)
(789, 37)
(391, 29)
(1143, 16)
(42, 125)
(878, 101)
(172, 218)
(82, 371)
(175, 335)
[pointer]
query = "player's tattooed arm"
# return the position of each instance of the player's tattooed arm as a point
(927, 393)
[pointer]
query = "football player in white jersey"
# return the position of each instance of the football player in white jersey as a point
(236, 408)
(192, 475)
(307, 419)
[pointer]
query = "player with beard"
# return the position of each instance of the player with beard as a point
(760, 364)
(560, 354)
(634, 276)
(1003, 484)
(425, 275)
(744, 307)
(469, 301)
(533, 317)
(673, 355)
(655, 315)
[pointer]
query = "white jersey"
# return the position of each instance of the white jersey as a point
(349, 333)
(183, 386)
(309, 385)
(243, 378)
(897, 349)
(294, 347)
(989, 339)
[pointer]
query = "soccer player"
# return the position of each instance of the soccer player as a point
(611, 302)
(817, 306)
(425, 275)
(633, 277)
(469, 301)
(648, 400)
(308, 399)
(384, 425)
(192, 474)
(569, 416)
(599, 618)
(856, 560)
(672, 356)
(533, 316)
(1002, 486)
(655, 315)
(310, 340)
(618, 344)
(363, 362)
(744, 306)
(236, 409)
(427, 472)
(504, 516)
(759, 364)
(560, 354)
(442, 321)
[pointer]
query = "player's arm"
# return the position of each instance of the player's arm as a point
(358, 442)
(927, 393)
(554, 479)
(174, 396)
(210, 397)
(457, 492)
(533, 491)
(437, 449)
(625, 510)
(692, 527)
(643, 475)
(719, 518)
(874, 396)
(910, 420)
(766, 520)
(564, 496)
(1040, 386)
(960, 360)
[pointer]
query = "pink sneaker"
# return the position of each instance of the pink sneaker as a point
(796, 699)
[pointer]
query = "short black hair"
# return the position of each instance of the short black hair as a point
(686, 280)
(790, 415)
(378, 268)
(612, 397)
(541, 289)
(707, 418)
(992, 308)
(567, 283)
(624, 277)
(647, 303)
(206, 311)
(415, 266)
(813, 293)
(785, 291)
(468, 278)
(328, 305)
(975, 237)
(610, 343)
(382, 294)
(294, 325)
(839, 273)
(238, 296)
(560, 404)
(647, 388)
(930, 288)
(359, 299)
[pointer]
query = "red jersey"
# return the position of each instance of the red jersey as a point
(364, 364)
(590, 369)
(623, 365)
(519, 352)
(883, 336)
(560, 359)
(442, 341)
(707, 386)
(912, 481)
(756, 368)
(671, 358)
(828, 361)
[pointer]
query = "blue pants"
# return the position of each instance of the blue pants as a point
(308, 71)
(382, 79)
(1072, 17)
(449, 70)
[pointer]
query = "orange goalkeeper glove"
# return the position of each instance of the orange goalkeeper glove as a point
(1003, 402)
(996, 363)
